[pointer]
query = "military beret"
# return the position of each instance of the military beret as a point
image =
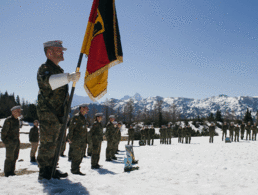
(56, 43)
(98, 114)
(15, 108)
(112, 116)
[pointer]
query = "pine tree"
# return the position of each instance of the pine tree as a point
(218, 116)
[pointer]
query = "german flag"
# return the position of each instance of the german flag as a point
(102, 45)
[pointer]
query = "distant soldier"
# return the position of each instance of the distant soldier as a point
(189, 133)
(161, 134)
(179, 132)
(11, 139)
(254, 128)
(147, 131)
(224, 130)
(165, 134)
(184, 131)
(78, 138)
(152, 134)
(231, 131)
(242, 127)
(237, 129)
(34, 140)
(143, 135)
(110, 136)
(211, 132)
(169, 133)
(118, 136)
(96, 137)
(130, 134)
(248, 131)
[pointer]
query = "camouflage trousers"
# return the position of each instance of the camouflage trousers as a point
(130, 138)
(34, 147)
(248, 133)
(254, 136)
(236, 137)
(49, 136)
(89, 151)
(96, 148)
(110, 150)
(77, 154)
(148, 140)
(211, 137)
(224, 134)
(231, 134)
(12, 153)
(242, 134)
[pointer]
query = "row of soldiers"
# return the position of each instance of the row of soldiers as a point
(147, 135)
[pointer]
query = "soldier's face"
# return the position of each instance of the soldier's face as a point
(16, 113)
(112, 120)
(84, 110)
(57, 53)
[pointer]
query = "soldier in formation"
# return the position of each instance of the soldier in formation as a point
(179, 132)
(78, 138)
(184, 134)
(143, 135)
(254, 128)
(189, 134)
(96, 138)
(242, 127)
(224, 130)
(248, 130)
(152, 134)
(110, 136)
(169, 133)
(237, 129)
(11, 139)
(52, 103)
(34, 140)
(118, 136)
(211, 132)
(131, 134)
(89, 150)
(231, 131)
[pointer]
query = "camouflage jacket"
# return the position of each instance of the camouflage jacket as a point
(147, 132)
(96, 132)
(110, 131)
(224, 128)
(57, 98)
(231, 128)
(169, 131)
(179, 131)
(131, 132)
(34, 134)
(248, 128)
(152, 131)
(117, 134)
(237, 129)
(78, 129)
(10, 130)
(254, 128)
(189, 131)
(212, 129)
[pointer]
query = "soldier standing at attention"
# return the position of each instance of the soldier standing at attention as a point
(34, 140)
(169, 132)
(224, 130)
(231, 131)
(211, 132)
(248, 130)
(237, 129)
(254, 128)
(131, 134)
(110, 135)
(11, 139)
(161, 134)
(184, 134)
(118, 136)
(189, 133)
(147, 132)
(179, 132)
(152, 133)
(96, 138)
(78, 138)
(52, 103)
(143, 135)
(242, 127)
(89, 150)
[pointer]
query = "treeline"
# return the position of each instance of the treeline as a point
(7, 101)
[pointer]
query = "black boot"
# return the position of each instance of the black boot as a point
(114, 158)
(32, 159)
(60, 174)
(78, 173)
(44, 173)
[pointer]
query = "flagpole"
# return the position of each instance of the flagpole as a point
(64, 126)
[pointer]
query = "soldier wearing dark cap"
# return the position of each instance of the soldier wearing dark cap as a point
(96, 137)
(110, 136)
(237, 129)
(78, 138)
(248, 130)
(11, 139)
(231, 131)
(211, 132)
(242, 127)
(52, 103)
(130, 134)
(254, 129)
(224, 130)
(34, 140)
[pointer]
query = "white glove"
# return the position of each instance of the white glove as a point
(74, 76)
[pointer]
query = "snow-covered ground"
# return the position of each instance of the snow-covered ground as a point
(196, 168)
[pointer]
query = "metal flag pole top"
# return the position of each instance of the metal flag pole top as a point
(64, 126)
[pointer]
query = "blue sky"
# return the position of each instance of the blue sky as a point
(172, 48)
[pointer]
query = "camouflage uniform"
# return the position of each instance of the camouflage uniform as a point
(11, 138)
(131, 135)
(63, 145)
(34, 139)
(231, 132)
(224, 131)
(179, 132)
(184, 133)
(237, 129)
(89, 151)
(50, 109)
(165, 135)
(117, 139)
(211, 132)
(242, 127)
(96, 138)
(78, 137)
(143, 135)
(248, 131)
(189, 134)
(152, 133)
(254, 128)
(147, 131)
(111, 142)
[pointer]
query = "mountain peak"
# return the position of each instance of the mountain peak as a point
(137, 97)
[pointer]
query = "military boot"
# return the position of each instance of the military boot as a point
(32, 159)
(44, 173)
(114, 158)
